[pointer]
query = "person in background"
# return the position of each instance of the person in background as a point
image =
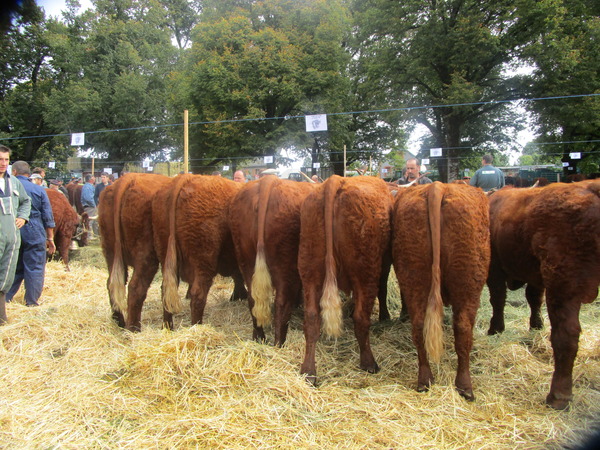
(411, 173)
(88, 202)
(55, 186)
(104, 181)
(37, 239)
(15, 207)
(42, 173)
(36, 178)
(239, 176)
(488, 177)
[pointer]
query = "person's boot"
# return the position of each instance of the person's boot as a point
(3, 318)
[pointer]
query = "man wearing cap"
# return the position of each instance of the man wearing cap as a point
(37, 236)
(55, 186)
(36, 178)
(15, 207)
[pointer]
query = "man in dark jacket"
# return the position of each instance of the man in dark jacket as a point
(37, 236)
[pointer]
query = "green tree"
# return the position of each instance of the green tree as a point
(448, 60)
(274, 61)
(566, 58)
(114, 64)
(26, 78)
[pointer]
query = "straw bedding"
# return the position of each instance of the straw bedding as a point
(70, 378)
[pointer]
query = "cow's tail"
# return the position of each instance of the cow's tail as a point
(432, 330)
(116, 284)
(262, 287)
(331, 303)
(170, 270)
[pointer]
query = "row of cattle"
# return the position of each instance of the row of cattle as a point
(280, 238)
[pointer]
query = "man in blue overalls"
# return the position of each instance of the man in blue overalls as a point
(36, 236)
(14, 213)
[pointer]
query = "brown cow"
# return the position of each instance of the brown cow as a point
(549, 238)
(344, 237)
(74, 191)
(440, 247)
(193, 240)
(66, 222)
(125, 219)
(265, 225)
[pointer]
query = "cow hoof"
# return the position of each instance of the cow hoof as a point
(467, 394)
(311, 379)
(560, 404)
(374, 368)
(422, 388)
(492, 331)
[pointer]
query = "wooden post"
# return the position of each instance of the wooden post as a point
(185, 141)
(93, 166)
(344, 159)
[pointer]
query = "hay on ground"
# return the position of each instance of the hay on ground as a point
(70, 378)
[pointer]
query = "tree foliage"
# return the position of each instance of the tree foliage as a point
(567, 64)
(114, 65)
(448, 61)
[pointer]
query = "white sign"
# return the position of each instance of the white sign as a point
(77, 139)
(108, 170)
(425, 161)
(225, 168)
(268, 159)
(316, 165)
(145, 163)
(565, 164)
(435, 152)
(150, 168)
(316, 122)
(52, 164)
(576, 155)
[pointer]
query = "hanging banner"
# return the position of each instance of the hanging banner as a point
(316, 122)
(435, 152)
(77, 139)
(268, 159)
(52, 164)
(576, 155)
(425, 161)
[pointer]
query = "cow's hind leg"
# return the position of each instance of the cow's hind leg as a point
(496, 283)
(286, 293)
(363, 307)
(312, 331)
(416, 312)
(535, 298)
(138, 289)
(564, 320)
(198, 295)
(463, 322)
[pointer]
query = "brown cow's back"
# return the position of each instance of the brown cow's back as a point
(548, 238)
(461, 225)
(125, 218)
(345, 231)
(265, 224)
(192, 238)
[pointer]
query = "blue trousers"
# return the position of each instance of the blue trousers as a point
(31, 268)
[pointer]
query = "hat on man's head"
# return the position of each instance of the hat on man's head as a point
(35, 176)
(55, 182)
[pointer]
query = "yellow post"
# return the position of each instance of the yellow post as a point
(93, 166)
(185, 141)
(344, 159)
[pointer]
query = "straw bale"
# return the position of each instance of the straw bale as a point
(71, 378)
